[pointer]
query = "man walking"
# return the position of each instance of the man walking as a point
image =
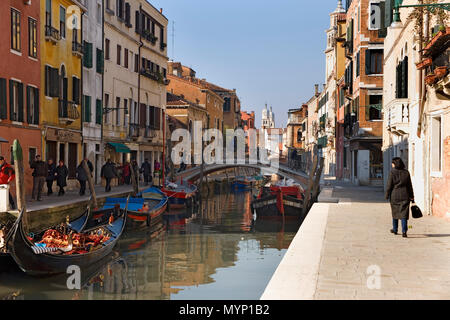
(108, 172)
(146, 170)
(39, 175)
(51, 173)
(6, 176)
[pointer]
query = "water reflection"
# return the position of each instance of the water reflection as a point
(214, 251)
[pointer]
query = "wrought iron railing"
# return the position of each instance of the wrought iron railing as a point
(68, 110)
(52, 33)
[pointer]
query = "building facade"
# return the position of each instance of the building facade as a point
(135, 52)
(20, 81)
(61, 72)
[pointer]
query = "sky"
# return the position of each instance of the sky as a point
(269, 51)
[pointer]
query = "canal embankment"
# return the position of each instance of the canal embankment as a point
(345, 250)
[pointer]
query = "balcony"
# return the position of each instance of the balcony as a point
(52, 34)
(147, 35)
(77, 49)
(157, 76)
(67, 111)
(398, 116)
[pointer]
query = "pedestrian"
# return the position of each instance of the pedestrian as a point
(51, 173)
(126, 173)
(120, 179)
(108, 172)
(146, 170)
(399, 192)
(6, 176)
(39, 175)
(61, 177)
(82, 178)
(135, 167)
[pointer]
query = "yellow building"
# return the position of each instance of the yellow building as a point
(61, 64)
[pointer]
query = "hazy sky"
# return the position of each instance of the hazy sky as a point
(270, 51)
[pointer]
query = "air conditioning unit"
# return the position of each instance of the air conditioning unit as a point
(27, 2)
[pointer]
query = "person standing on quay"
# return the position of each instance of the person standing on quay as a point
(146, 170)
(6, 176)
(61, 177)
(126, 173)
(108, 172)
(39, 174)
(82, 178)
(399, 192)
(51, 172)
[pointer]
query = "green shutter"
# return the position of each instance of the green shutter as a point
(98, 112)
(12, 117)
(3, 103)
(36, 106)
(87, 109)
(368, 61)
(388, 13)
(87, 56)
(28, 104)
(100, 61)
(405, 78)
(382, 32)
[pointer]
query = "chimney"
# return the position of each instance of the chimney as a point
(161, 10)
(316, 89)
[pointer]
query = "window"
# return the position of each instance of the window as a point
(99, 62)
(374, 61)
(3, 106)
(15, 30)
(76, 90)
(98, 111)
(436, 145)
(125, 112)
(373, 110)
(48, 13)
(87, 109)
(16, 101)
(299, 135)
(32, 105)
(125, 58)
(106, 49)
(401, 91)
(375, 16)
(99, 14)
(32, 38)
(227, 104)
(51, 82)
(118, 111)
(62, 22)
(136, 63)
(107, 114)
(119, 53)
(119, 9)
(87, 54)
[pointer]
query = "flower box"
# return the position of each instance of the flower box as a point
(430, 79)
(441, 72)
(425, 63)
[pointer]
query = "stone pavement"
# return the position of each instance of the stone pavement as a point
(72, 197)
(359, 258)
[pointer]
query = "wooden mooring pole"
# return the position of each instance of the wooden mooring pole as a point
(90, 183)
(20, 181)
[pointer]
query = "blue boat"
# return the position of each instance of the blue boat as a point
(143, 211)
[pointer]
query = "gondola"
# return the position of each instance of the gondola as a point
(180, 196)
(279, 201)
(38, 261)
(241, 183)
(139, 217)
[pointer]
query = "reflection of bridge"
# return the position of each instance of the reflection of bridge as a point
(193, 174)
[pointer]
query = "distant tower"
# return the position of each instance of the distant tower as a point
(268, 118)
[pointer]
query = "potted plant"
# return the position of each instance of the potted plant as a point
(430, 79)
(425, 63)
(441, 72)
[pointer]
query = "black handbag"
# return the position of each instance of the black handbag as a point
(415, 211)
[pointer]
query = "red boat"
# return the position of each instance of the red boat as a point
(279, 201)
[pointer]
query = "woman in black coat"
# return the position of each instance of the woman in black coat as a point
(61, 177)
(400, 193)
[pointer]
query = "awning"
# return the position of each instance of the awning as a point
(3, 140)
(119, 147)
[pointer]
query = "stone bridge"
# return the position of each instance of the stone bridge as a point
(193, 174)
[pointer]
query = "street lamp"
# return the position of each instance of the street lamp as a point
(431, 6)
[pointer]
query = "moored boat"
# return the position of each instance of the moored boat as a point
(180, 195)
(54, 250)
(145, 210)
(279, 201)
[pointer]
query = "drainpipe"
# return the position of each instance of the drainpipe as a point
(102, 148)
(139, 63)
(82, 90)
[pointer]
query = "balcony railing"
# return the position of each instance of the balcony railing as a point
(398, 116)
(77, 48)
(147, 35)
(67, 111)
(52, 34)
(150, 132)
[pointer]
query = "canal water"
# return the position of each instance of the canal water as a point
(218, 250)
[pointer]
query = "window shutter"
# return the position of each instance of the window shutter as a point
(128, 14)
(12, 116)
(367, 63)
(405, 78)
(151, 110)
(47, 81)
(383, 29)
(100, 61)
(76, 90)
(138, 22)
(142, 115)
(357, 63)
(20, 100)
(3, 105)
(87, 57)
(367, 107)
(87, 109)
(157, 118)
(54, 82)
(388, 13)
(36, 106)
(98, 112)
(29, 120)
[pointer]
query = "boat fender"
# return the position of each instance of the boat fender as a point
(149, 220)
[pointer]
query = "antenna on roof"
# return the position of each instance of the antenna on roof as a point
(173, 40)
